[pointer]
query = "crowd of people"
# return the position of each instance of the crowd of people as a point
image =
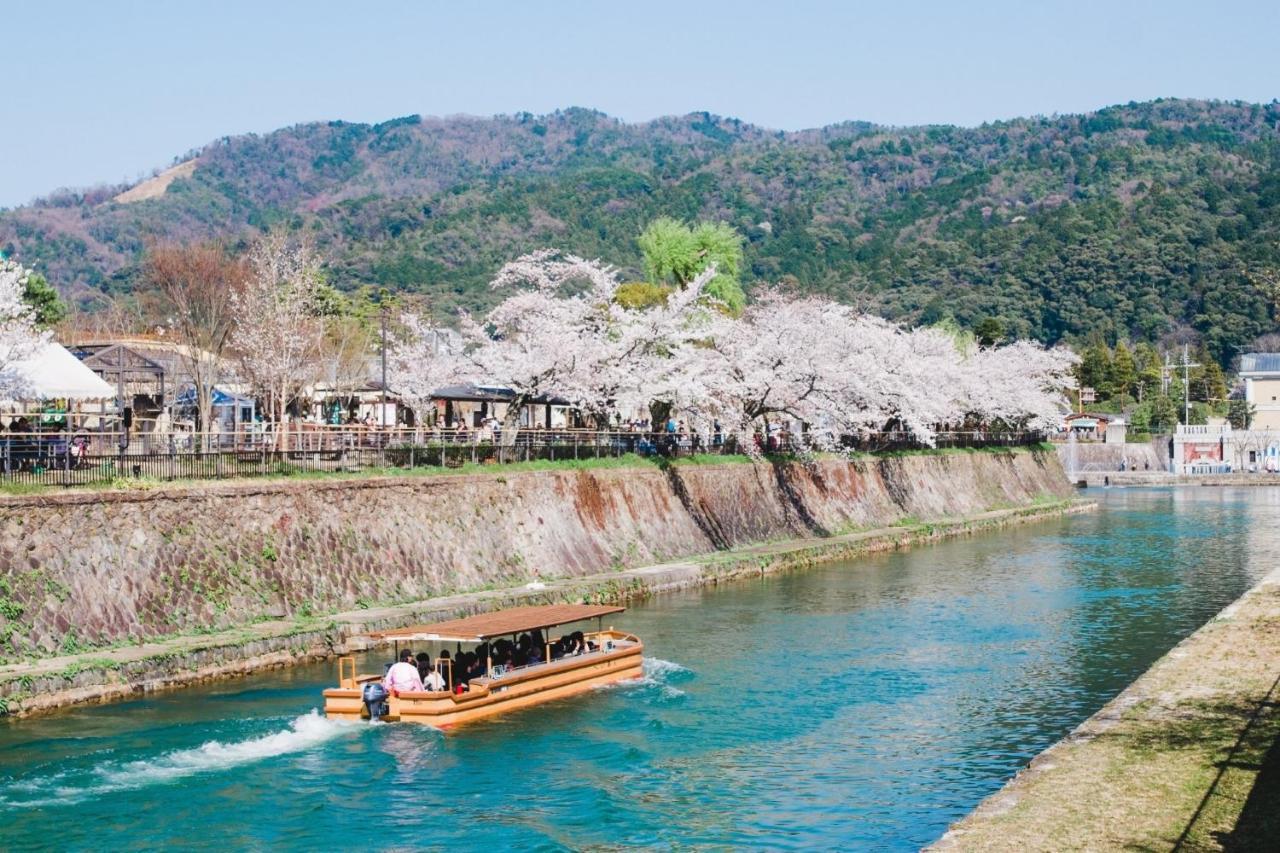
(415, 673)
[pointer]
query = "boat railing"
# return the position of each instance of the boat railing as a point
(347, 663)
(605, 641)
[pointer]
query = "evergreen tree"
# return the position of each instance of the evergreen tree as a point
(1240, 414)
(1164, 414)
(989, 332)
(1123, 375)
(1209, 382)
(48, 305)
(1095, 368)
(1147, 370)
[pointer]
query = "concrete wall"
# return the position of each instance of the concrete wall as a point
(88, 569)
(1150, 455)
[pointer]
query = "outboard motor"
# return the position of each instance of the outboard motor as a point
(375, 699)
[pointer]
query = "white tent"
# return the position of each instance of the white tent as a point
(53, 373)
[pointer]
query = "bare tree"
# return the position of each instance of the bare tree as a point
(344, 358)
(199, 284)
(278, 333)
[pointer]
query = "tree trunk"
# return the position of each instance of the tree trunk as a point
(204, 411)
(510, 429)
(282, 420)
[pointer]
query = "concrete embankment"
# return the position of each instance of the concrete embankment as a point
(1097, 456)
(85, 578)
(1164, 478)
(1186, 758)
(50, 683)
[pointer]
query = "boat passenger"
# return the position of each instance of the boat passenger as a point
(424, 666)
(433, 681)
(445, 666)
(403, 675)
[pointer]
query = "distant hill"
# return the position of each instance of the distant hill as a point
(1135, 220)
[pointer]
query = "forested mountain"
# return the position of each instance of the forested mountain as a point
(1133, 222)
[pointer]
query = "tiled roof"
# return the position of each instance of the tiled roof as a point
(1260, 362)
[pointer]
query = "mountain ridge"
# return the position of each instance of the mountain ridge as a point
(1134, 221)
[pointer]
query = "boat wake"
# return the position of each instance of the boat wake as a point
(658, 675)
(304, 732)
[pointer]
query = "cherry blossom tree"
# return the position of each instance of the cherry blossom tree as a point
(421, 359)
(786, 361)
(277, 332)
(19, 338)
(1020, 384)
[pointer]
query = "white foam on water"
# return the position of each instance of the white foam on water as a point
(657, 672)
(659, 668)
(304, 732)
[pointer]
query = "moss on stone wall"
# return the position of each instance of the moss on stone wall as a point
(80, 571)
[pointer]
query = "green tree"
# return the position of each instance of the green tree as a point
(41, 296)
(1163, 414)
(1122, 374)
(639, 295)
(1146, 362)
(1208, 381)
(1240, 414)
(675, 253)
(1094, 368)
(989, 331)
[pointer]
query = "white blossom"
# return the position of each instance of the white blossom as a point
(800, 363)
(19, 337)
(277, 334)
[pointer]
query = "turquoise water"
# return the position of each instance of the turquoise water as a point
(858, 705)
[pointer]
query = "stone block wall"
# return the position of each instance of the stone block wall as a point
(78, 570)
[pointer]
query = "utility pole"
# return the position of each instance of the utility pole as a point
(1186, 385)
(382, 415)
(120, 406)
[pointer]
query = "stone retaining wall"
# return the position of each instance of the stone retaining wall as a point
(80, 570)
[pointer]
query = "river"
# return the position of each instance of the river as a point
(856, 705)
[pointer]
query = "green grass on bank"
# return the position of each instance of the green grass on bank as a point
(286, 473)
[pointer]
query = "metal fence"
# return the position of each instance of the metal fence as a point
(87, 459)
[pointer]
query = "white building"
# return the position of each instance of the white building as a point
(1261, 374)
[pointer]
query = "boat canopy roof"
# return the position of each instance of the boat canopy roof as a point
(484, 626)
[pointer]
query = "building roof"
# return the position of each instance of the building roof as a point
(53, 373)
(471, 392)
(514, 620)
(1260, 362)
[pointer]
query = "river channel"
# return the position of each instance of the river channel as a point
(856, 705)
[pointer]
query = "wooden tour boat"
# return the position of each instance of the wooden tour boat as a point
(609, 656)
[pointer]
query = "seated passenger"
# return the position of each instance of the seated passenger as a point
(403, 676)
(445, 665)
(424, 666)
(465, 666)
(433, 680)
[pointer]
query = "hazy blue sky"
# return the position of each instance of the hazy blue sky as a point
(99, 92)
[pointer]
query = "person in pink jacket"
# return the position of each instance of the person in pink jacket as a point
(403, 675)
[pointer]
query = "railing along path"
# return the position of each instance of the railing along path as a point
(60, 458)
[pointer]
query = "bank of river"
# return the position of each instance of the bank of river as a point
(104, 675)
(861, 704)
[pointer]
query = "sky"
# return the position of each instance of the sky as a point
(99, 92)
